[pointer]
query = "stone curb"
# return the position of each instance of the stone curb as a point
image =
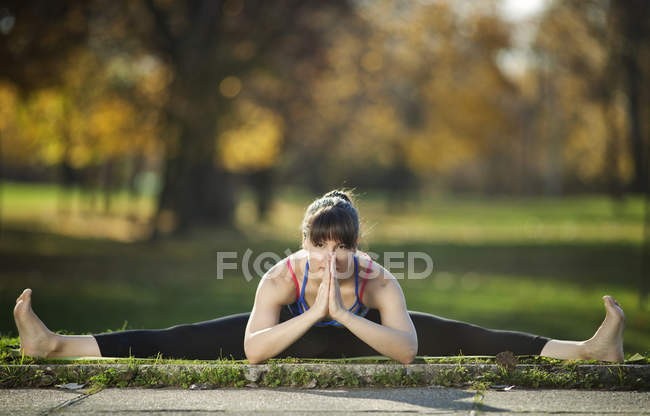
(624, 376)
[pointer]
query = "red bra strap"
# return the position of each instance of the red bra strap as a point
(365, 280)
(294, 279)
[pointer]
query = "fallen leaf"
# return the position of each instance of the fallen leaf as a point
(70, 386)
(501, 387)
(635, 357)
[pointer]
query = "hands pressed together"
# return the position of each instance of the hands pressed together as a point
(328, 300)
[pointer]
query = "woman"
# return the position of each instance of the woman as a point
(310, 317)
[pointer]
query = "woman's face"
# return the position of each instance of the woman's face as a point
(320, 253)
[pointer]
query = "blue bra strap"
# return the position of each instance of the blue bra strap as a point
(301, 301)
(304, 281)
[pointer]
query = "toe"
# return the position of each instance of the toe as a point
(610, 300)
(27, 298)
(26, 292)
(18, 308)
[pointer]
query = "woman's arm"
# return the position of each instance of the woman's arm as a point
(396, 336)
(264, 337)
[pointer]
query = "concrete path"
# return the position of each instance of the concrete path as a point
(287, 401)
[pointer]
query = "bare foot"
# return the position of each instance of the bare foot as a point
(35, 339)
(607, 342)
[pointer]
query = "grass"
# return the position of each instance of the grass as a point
(538, 372)
(538, 265)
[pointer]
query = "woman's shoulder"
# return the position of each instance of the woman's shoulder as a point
(298, 261)
(367, 266)
(280, 274)
(282, 269)
(377, 277)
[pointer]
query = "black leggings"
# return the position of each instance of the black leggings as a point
(224, 338)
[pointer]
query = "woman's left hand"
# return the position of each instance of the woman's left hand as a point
(336, 307)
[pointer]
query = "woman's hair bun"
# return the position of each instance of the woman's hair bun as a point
(340, 194)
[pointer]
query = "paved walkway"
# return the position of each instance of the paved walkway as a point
(286, 401)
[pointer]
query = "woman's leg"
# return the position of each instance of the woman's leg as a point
(38, 341)
(221, 337)
(208, 340)
(439, 336)
(605, 345)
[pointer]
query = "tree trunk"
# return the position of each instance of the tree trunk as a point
(262, 184)
(195, 190)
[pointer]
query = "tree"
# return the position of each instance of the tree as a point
(208, 47)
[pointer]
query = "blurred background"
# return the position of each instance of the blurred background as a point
(506, 139)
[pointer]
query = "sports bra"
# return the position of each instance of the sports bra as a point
(300, 306)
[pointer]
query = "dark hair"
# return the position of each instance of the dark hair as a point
(332, 217)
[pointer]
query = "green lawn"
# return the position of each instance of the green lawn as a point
(538, 265)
